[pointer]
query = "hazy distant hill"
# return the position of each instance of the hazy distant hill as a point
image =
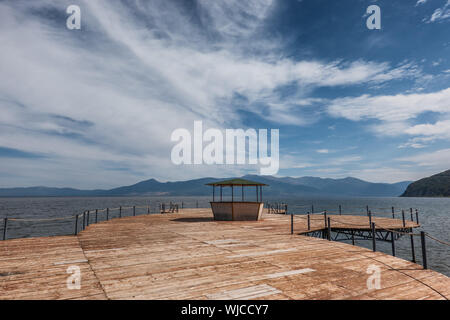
(47, 192)
(286, 186)
(434, 186)
(342, 187)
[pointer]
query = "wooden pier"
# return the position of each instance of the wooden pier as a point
(187, 255)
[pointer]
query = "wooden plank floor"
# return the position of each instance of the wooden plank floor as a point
(187, 255)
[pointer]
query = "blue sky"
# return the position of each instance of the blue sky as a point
(95, 108)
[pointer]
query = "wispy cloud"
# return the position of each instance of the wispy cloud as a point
(419, 2)
(395, 113)
(429, 161)
(115, 90)
(438, 130)
(390, 107)
(440, 14)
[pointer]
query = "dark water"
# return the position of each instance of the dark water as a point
(434, 217)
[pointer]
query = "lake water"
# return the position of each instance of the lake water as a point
(434, 217)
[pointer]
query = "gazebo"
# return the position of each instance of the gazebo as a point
(236, 210)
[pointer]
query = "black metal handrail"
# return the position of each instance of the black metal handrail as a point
(88, 215)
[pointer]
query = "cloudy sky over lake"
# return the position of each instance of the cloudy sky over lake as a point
(95, 108)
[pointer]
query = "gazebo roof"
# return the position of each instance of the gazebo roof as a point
(236, 182)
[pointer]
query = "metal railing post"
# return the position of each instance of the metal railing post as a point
(393, 243)
(5, 226)
(96, 215)
(374, 243)
(417, 216)
(413, 252)
(424, 251)
(309, 222)
(107, 214)
(403, 218)
(292, 223)
(76, 225)
(120, 212)
(87, 222)
(393, 213)
(329, 229)
(134, 211)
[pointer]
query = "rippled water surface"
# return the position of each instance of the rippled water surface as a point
(434, 217)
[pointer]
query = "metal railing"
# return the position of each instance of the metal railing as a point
(373, 230)
(88, 217)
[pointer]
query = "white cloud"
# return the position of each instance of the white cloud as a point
(395, 114)
(346, 159)
(235, 18)
(387, 128)
(440, 129)
(383, 174)
(288, 161)
(441, 13)
(390, 108)
(419, 2)
(432, 162)
(115, 90)
(411, 145)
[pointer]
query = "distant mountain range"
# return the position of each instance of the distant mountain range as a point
(286, 186)
(437, 185)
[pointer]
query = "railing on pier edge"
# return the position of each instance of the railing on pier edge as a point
(372, 227)
(81, 221)
(88, 217)
(277, 207)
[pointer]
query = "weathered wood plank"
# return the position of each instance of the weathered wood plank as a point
(187, 255)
